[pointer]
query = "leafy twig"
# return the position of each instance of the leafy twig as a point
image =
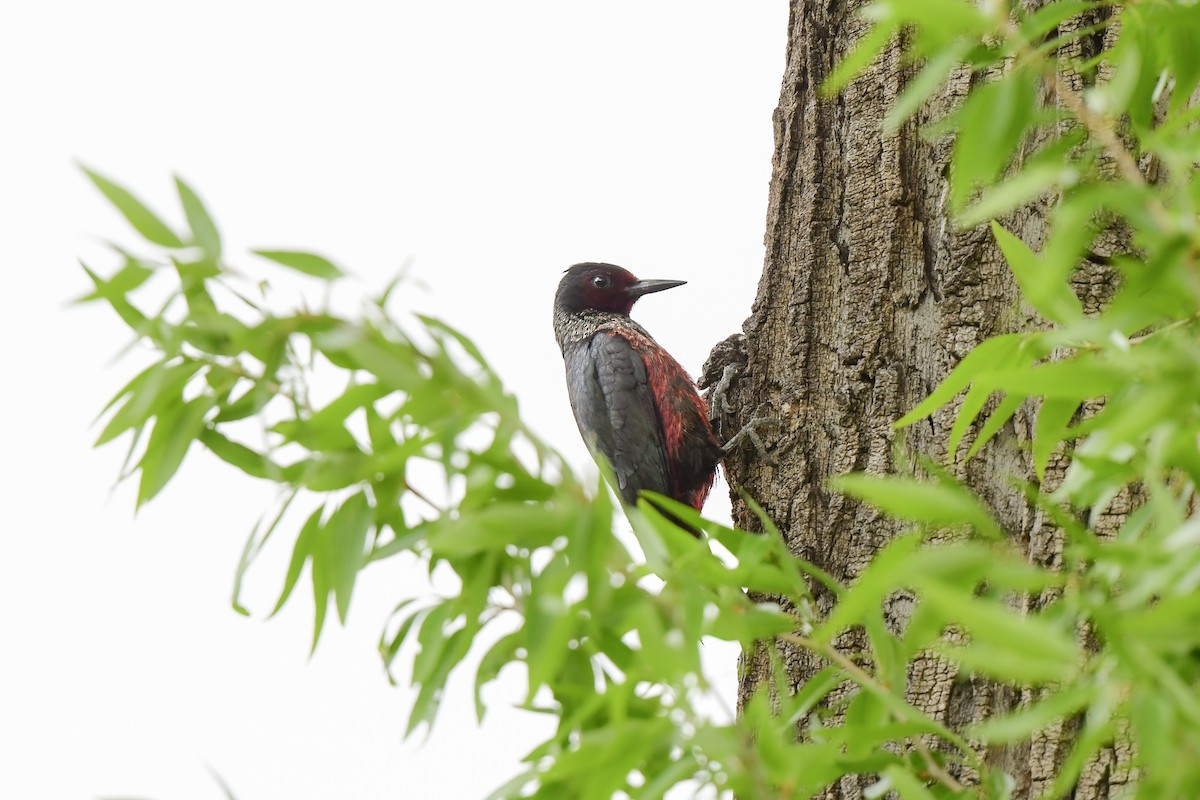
(902, 711)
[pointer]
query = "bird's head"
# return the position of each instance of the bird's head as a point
(603, 287)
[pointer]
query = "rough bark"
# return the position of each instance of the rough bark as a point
(869, 296)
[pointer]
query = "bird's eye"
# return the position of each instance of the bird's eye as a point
(601, 282)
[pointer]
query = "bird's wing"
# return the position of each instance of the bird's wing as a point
(615, 409)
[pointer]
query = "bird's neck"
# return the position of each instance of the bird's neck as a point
(575, 327)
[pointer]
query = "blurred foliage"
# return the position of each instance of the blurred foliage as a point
(1092, 109)
(422, 453)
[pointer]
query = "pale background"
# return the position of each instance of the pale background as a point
(492, 143)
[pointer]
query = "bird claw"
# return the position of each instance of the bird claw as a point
(749, 433)
(727, 358)
(719, 393)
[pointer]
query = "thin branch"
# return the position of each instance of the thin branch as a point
(1096, 124)
(1179, 323)
(408, 487)
(868, 681)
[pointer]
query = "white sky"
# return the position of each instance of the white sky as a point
(495, 144)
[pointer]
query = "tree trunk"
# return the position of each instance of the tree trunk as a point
(869, 296)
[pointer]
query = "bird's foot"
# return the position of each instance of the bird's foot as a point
(727, 359)
(718, 393)
(749, 433)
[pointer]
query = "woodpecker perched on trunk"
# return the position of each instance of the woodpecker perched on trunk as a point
(633, 402)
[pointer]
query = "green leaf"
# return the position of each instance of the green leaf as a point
(129, 277)
(498, 656)
(469, 347)
(1048, 17)
(308, 263)
(128, 313)
(991, 123)
(550, 623)
(907, 785)
(1045, 288)
(319, 572)
(204, 230)
(740, 620)
(1079, 378)
(325, 429)
(937, 504)
(250, 551)
(1027, 185)
(345, 535)
(976, 398)
(389, 646)
(812, 692)
(887, 572)
(247, 460)
(942, 21)
(592, 545)
(864, 712)
(743, 547)
(967, 563)
(142, 391)
(396, 640)
(133, 386)
(174, 431)
(1054, 415)
(1184, 57)
(306, 543)
(861, 56)
(141, 218)
(676, 772)
(328, 472)
(393, 364)
(911, 714)
(440, 651)
(1097, 731)
(1018, 725)
(887, 650)
(1003, 663)
(926, 82)
(981, 358)
(1116, 95)
(432, 690)
(248, 404)
(156, 392)
(331, 436)
(1004, 643)
(498, 526)
(228, 792)
(995, 421)
(192, 278)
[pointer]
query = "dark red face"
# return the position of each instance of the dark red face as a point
(603, 287)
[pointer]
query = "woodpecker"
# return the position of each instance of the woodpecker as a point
(634, 404)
